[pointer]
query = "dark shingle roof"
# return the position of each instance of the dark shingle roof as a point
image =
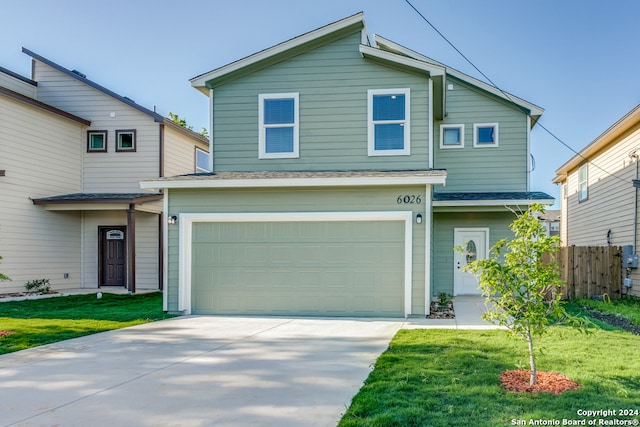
(497, 196)
(99, 198)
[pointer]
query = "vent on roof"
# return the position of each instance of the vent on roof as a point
(84, 76)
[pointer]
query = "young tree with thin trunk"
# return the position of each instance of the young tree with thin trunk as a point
(522, 290)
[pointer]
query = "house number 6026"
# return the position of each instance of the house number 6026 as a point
(409, 199)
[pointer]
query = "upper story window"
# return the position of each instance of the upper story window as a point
(451, 136)
(202, 161)
(485, 135)
(97, 141)
(279, 126)
(388, 119)
(126, 140)
(583, 183)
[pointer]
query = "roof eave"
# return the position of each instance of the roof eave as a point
(534, 111)
(439, 179)
(157, 117)
(202, 82)
(601, 142)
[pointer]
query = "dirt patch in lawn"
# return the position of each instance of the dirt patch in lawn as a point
(4, 333)
(546, 382)
(25, 294)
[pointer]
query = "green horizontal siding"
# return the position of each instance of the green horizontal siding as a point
(443, 234)
(332, 82)
(502, 168)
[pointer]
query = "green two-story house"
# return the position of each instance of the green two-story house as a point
(345, 169)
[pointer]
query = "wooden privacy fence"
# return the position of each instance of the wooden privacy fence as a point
(590, 271)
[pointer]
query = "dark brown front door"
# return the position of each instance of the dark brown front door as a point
(113, 268)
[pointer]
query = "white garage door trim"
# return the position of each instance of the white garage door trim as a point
(186, 221)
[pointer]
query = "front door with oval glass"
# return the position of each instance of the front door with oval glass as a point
(112, 256)
(475, 243)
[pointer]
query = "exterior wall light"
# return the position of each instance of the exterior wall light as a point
(419, 219)
(172, 219)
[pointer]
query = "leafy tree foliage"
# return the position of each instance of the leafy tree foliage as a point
(521, 289)
(183, 122)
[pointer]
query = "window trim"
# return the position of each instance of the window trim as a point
(262, 128)
(584, 181)
(195, 160)
(371, 133)
(96, 132)
(451, 126)
(124, 131)
(496, 138)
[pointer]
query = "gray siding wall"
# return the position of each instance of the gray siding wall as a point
(443, 234)
(332, 81)
(611, 200)
(38, 152)
(112, 171)
(502, 168)
(292, 200)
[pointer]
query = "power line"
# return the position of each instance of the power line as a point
(507, 94)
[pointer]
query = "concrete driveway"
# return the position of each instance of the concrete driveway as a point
(196, 371)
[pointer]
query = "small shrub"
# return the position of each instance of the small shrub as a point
(2, 276)
(444, 299)
(38, 286)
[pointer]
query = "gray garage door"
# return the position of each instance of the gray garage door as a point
(299, 268)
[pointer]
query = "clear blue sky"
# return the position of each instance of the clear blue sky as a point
(577, 59)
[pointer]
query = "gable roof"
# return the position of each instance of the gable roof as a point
(381, 50)
(608, 138)
(42, 106)
(280, 51)
(533, 110)
(157, 117)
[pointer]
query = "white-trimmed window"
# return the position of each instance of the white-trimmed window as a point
(485, 135)
(96, 141)
(126, 140)
(583, 183)
(388, 122)
(279, 126)
(202, 161)
(451, 136)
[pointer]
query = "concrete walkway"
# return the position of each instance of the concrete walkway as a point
(204, 371)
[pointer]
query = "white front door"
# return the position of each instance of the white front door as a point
(475, 242)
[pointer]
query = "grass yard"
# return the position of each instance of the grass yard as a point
(627, 307)
(452, 378)
(31, 323)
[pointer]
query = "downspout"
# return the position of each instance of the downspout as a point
(211, 132)
(431, 162)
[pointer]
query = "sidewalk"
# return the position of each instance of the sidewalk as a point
(468, 309)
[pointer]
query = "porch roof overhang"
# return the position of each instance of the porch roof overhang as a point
(488, 200)
(98, 201)
(299, 179)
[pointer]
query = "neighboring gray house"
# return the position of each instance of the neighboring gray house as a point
(599, 201)
(72, 154)
(331, 152)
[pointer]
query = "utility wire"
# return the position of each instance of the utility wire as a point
(507, 95)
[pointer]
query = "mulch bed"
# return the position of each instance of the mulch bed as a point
(441, 311)
(25, 294)
(546, 382)
(4, 333)
(614, 320)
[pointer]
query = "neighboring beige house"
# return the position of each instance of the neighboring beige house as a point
(72, 154)
(599, 202)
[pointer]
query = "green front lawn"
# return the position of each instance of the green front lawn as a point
(26, 324)
(452, 378)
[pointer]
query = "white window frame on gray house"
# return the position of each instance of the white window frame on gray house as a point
(201, 161)
(449, 138)
(583, 183)
(271, 123)
(479, 141)
(390, 123)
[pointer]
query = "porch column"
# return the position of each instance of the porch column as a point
(131, 248)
